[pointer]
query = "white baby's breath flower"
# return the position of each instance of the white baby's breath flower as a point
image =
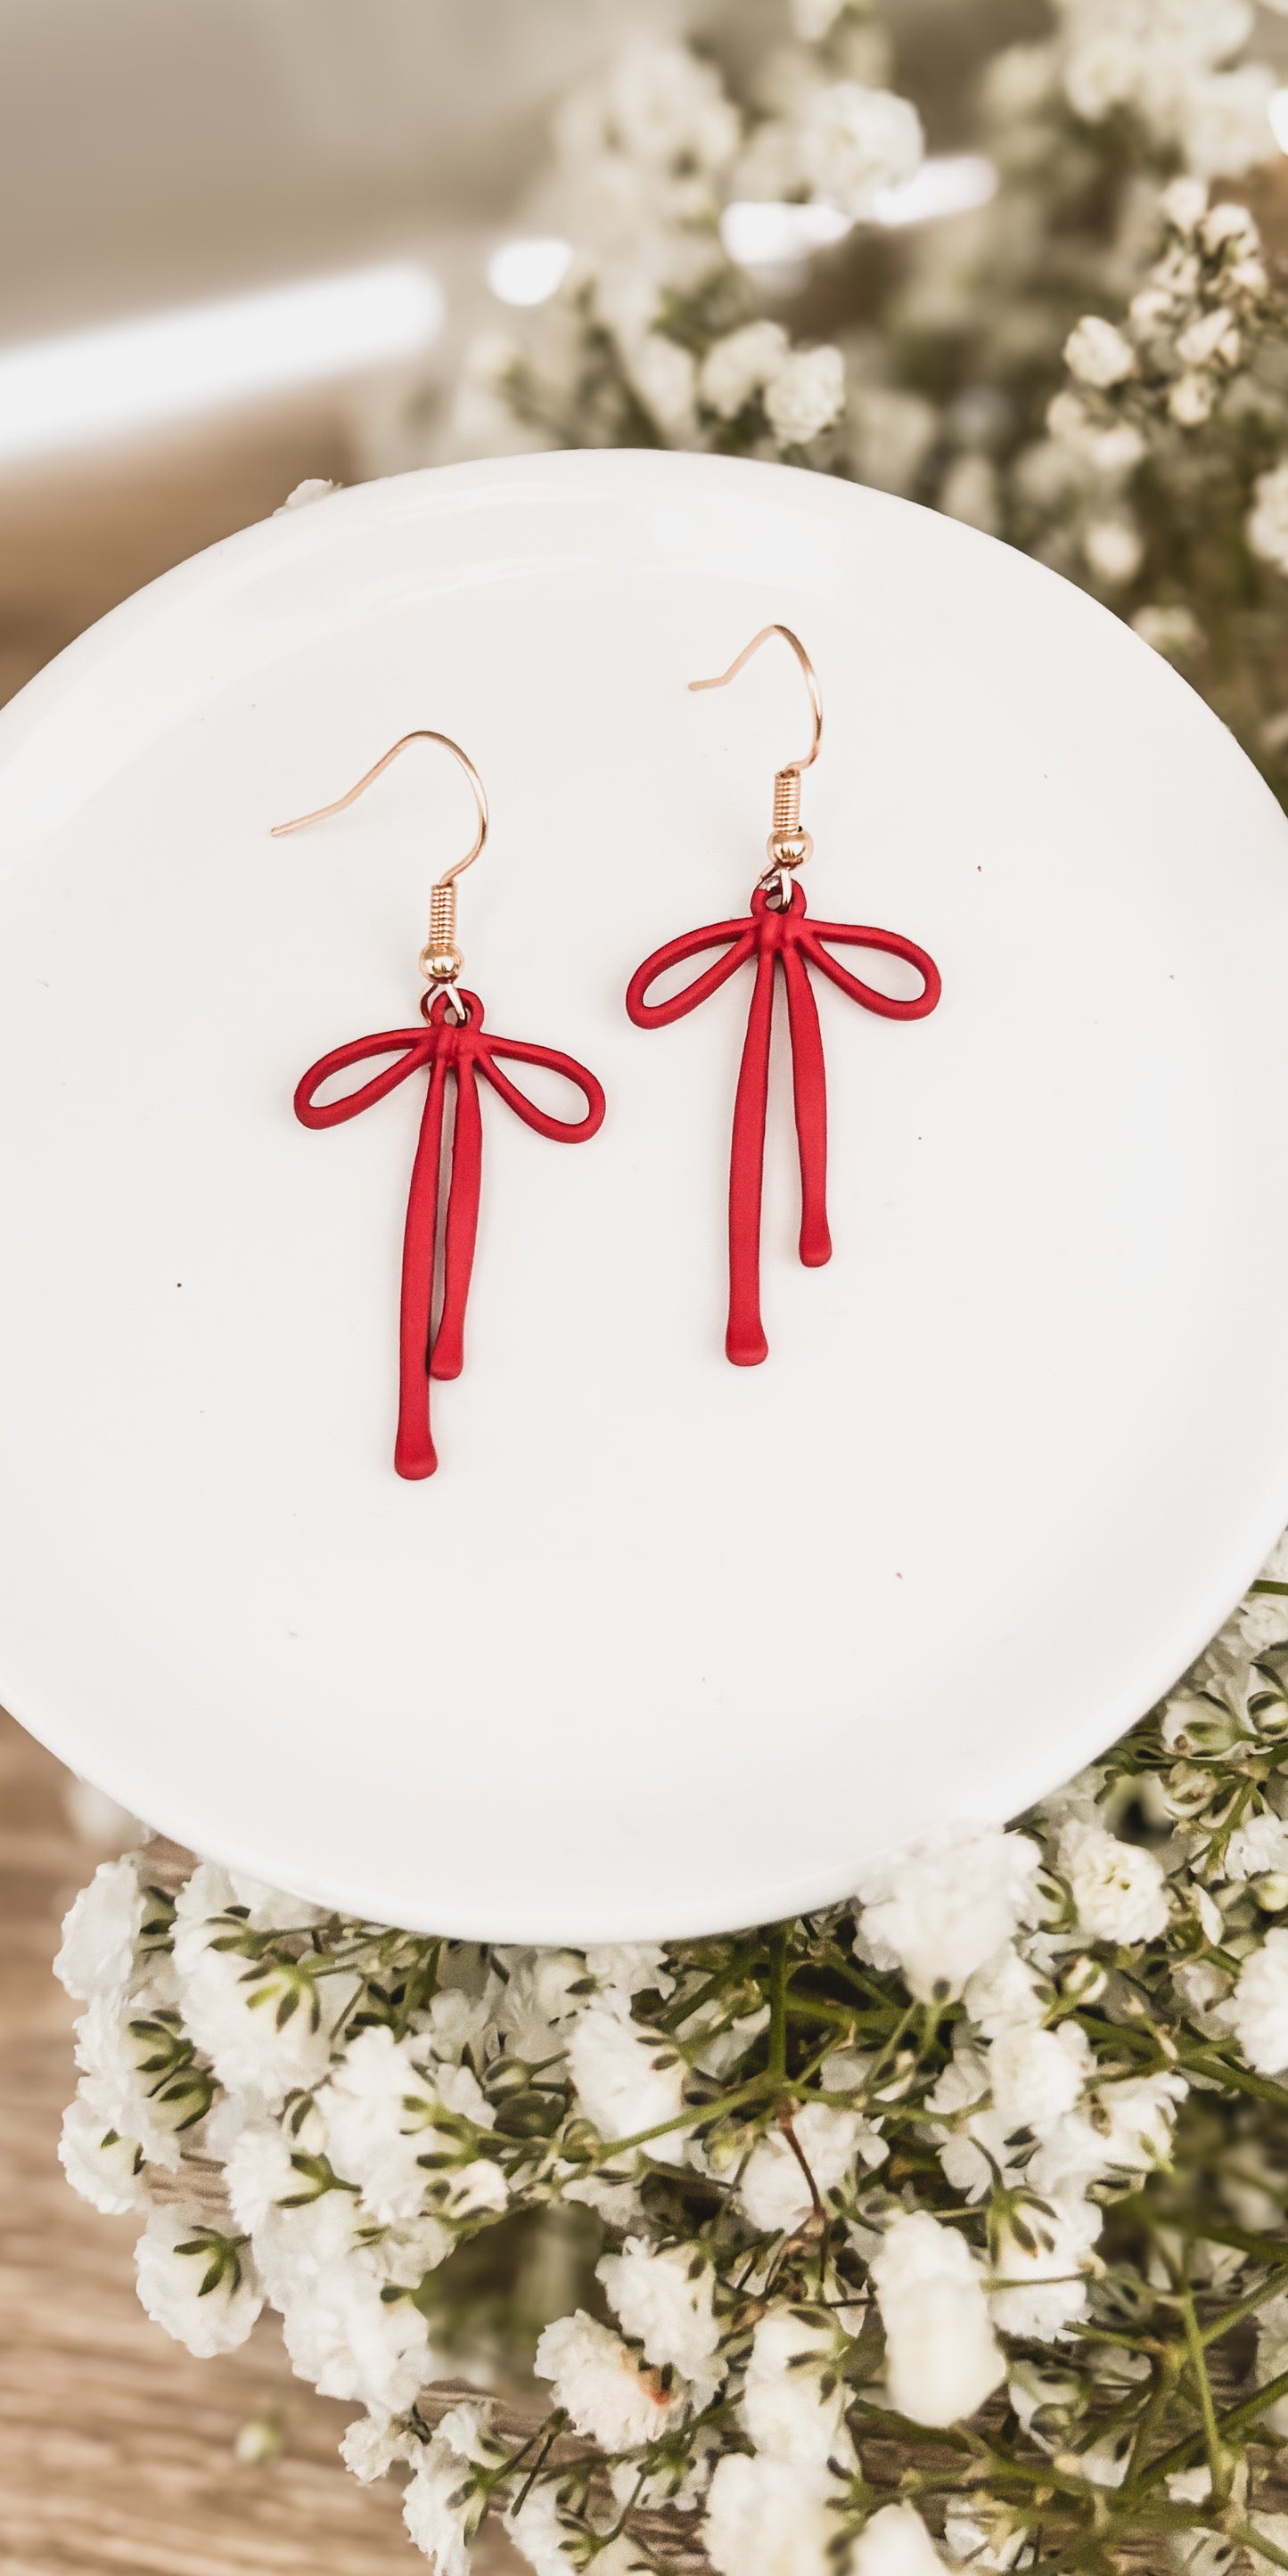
(895, 2543)
(116, 2050)
(99, 1934)
(981, 2540)
(1184, 202)
(1035, 2076)
(1268, 517)
(1169, 627)
(1097, 353)
(264, 2032)
(793, 2400)
(258, 2168)
(460, 2016)
(944, 1908)
(1256, 1847)
(1003, 1995)
(1039, 2268)
(374, 2444)
(610, 2395)
(542, 2537)
(854, 142)
(1258, 2009)
(1110, 449)
(942, 2357)
(1118, 1889)
(628, 1967)
(740, 365)
(775, 2190)
(1225, 121)
(1113, 550)
(1263, 1622)
(1017, 83)
(200, 2287)
(973, 2144)
(805, 395)
(1100, 74)
(1125, 2129)
(661, 104)
(766, 2518)
(99, 2164)
(1230, 227)
(380, 2115)
(664, 2302)
(442, 2506)
(1210, 338)
(348, 2339)
(626, 2079)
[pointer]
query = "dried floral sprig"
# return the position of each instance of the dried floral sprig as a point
(945, 2226)
(933, 365)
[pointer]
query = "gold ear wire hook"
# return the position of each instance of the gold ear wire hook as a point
(440, 958)
(788, 845)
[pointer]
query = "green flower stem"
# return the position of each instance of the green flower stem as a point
(809, 2008)
(1166, 2371)
(1244, 2532)
(1246, 2307)
(737, 1972)
(1242, 2080)
(755, 2090)
(1218, 2459)
(1262, 2248)
(1183, 2454)
(778, 2007)
(882, 2419)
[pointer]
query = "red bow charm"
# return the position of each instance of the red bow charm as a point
(446, 1046)
(774, 936)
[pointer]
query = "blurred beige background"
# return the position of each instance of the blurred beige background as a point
(157, 153)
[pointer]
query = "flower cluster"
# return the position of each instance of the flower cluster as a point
(1185, 357)
(655, 339)
(1168, 64)
(1147, 463)
(948, 2226)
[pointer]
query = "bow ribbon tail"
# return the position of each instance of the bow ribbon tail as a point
(745, 1342)
(414, 1452)
(809, 1100)
(447, 1354)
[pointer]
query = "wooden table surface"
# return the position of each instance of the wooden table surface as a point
(116, 2447)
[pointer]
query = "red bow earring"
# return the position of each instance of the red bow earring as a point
(777, 932)
(450, 1041)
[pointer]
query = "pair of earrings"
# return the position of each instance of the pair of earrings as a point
(452, 1041)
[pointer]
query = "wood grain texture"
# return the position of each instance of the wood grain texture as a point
(116, 2447)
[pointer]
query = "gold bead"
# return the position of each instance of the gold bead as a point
(789, 849)
(440, 965)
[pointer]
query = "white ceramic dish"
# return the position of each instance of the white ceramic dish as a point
(665, 1645)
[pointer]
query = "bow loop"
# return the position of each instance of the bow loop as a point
(412, 1047)
(659, 1015)
(561, 1131)
(847, 934)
